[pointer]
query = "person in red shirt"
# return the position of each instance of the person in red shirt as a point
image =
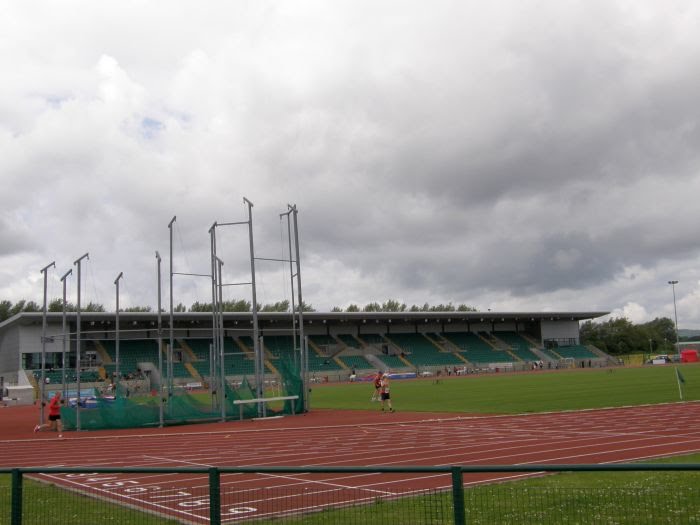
(54, 423)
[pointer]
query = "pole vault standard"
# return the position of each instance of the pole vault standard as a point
(77, 342)
(65, 333)
(116, 330)
(160, 350)
(45, 271)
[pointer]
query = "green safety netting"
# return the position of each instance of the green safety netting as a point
(129, 410)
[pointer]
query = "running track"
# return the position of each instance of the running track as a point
(355, 438)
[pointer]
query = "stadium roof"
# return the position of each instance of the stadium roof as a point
(310, 318)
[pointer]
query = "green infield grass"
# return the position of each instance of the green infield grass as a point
(518, 393)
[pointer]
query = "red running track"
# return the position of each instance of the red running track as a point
(348, 438)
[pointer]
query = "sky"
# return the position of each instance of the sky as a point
(514, 156)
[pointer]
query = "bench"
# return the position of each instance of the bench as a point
(242, 402)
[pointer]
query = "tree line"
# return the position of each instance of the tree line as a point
(620, 336)
(8, 309)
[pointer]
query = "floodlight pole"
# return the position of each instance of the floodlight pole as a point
(675, 314)
(77, 262)
(63, 354)
(259, 370)
(116, 330)
(45, 271)
(169, 363)
(160, 349)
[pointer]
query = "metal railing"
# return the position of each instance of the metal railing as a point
(215, 508)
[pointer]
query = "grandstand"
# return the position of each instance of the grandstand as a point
(363, 340)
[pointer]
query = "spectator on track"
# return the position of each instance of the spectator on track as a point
(384, 392)
(377, 386)
(54, 423)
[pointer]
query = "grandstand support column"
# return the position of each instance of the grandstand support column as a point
(259, 371)
(78, 263)
(160, 348)
(42, 401)
(116, 330)
(169, 361)
(64, 327)
(300, 302)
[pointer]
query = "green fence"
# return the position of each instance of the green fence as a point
(212, 500)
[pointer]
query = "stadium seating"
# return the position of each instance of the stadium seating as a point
(421, 352)
(357, 362)
(371, 339)
(476, 350)
(519, 346)
(575, 352)
(131, 352)
(349, 340)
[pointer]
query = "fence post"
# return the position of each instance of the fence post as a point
(214, 496)
(458, 496)
(16, 497)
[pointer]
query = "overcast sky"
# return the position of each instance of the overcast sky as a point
(514, 155)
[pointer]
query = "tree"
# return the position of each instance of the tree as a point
(93, 307)
(465, 308)
(138, 309)
(352, 308)
(372, 307)
(393, 306)
(336, 309)
(279, 306)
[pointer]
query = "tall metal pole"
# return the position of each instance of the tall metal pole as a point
(305, 349)
(220, 335)
(675, 314)
(214, 351)
(116, 332)
(65, 324)
(45, 271)
(77, 342)
(160, 350)
(291, 277)
(259, 371)
(169, 363)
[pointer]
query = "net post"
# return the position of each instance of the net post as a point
(214, 496)
(458, 496)
(16, 497)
